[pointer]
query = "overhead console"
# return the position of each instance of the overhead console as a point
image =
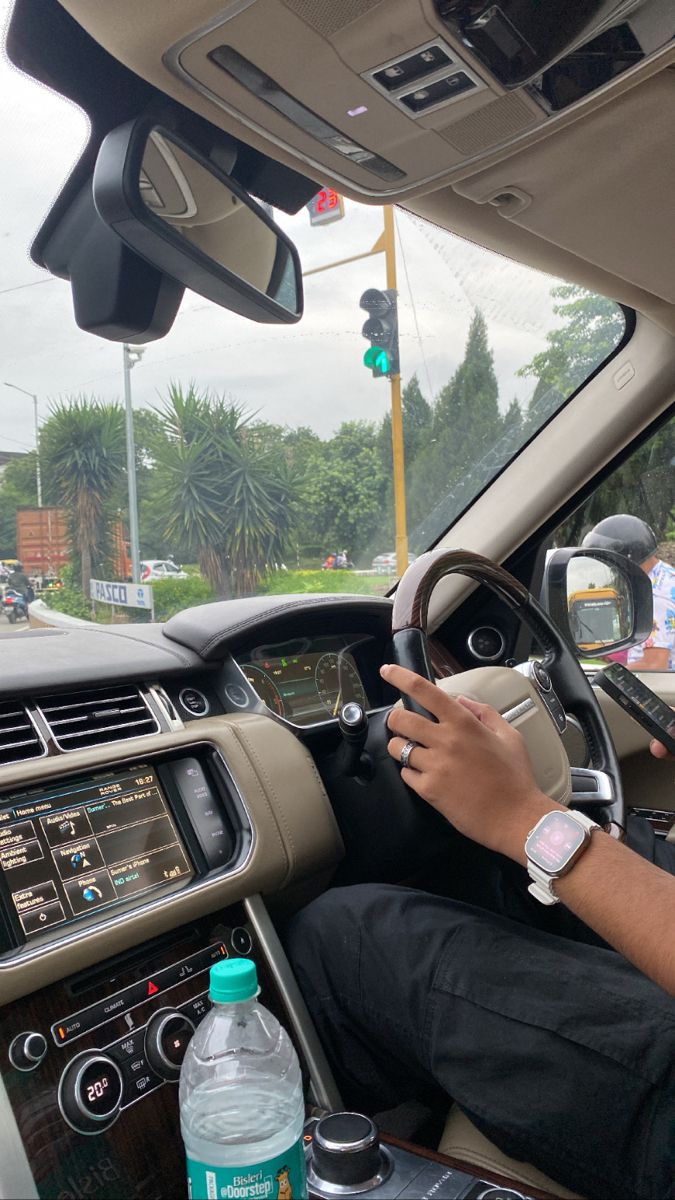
(393, 94)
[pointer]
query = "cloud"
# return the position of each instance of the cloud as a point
(311, 373)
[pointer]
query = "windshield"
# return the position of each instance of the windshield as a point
(263, 454)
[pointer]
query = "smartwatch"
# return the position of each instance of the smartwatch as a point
(552, 848)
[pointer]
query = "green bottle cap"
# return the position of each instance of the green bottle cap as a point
(233, 979)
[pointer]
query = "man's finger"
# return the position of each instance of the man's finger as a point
(433, 698)
(487, 715)
(417, 757)
(412, 726)
(658, 749)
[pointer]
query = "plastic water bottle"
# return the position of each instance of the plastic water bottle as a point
(241, 1100)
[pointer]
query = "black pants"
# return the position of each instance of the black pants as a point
(558, 1050)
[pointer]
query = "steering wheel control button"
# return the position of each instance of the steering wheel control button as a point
(486, 643)
(166, 1040)
(90, 1092)
(27, 1051)
(346, 1155)
(194, 702)
(542, 677)
(241, 941)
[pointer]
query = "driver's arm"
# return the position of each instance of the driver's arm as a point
(474, 768)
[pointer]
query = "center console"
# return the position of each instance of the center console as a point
(90, 1068)
(88, 849)
(89, 1064)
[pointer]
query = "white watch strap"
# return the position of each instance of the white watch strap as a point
(541, 886)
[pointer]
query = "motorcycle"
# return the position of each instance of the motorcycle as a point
(14, 606)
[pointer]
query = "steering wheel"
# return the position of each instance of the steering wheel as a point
(534, 697)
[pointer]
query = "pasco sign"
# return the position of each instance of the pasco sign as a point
(126, 595)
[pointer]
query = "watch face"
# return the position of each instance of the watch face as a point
(554, 842)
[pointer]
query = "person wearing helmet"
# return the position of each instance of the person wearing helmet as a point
(635, 539)
(20, 582)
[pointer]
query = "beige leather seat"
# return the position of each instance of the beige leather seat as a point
(462, 1140)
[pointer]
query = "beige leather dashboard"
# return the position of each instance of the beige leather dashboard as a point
(295, 836)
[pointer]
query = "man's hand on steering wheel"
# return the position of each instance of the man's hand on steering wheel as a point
(469, 764)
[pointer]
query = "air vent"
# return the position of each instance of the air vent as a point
(19, 739)
(84, 719)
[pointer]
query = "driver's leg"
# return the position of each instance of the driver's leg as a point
(481, 877)
(561, 1053)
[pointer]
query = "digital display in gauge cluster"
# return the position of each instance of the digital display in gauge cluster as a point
(307, 686)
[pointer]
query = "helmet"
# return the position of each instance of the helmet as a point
(18, 566)
(626, 534)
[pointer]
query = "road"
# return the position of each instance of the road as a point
(18, 627)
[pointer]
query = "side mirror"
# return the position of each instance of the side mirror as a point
(186, 217)
(600, 600)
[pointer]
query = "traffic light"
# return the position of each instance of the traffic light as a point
(381, 329)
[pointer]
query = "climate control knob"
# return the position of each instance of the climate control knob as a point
(90, 1092)
(166, 1040)
(27, 1051)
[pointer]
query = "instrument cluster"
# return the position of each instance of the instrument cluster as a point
(307, 680)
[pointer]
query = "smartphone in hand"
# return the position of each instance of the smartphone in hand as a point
(639, 701)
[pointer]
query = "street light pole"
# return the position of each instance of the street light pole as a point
(38, 476)
(131, 355)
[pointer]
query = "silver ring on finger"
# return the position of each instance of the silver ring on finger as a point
(404, 757)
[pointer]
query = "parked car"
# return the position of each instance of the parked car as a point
(385, 564)
(154, 569)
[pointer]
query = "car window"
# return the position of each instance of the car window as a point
(634, 509)
(263, 454)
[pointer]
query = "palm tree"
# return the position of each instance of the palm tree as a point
(259, 513)
(230, 498)
(82, 446)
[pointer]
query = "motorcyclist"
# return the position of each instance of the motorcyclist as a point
(19, 582)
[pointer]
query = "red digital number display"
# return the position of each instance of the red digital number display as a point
(326, 200)
(325, 207)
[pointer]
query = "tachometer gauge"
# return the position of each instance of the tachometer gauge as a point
(264, 688)
(337, 681)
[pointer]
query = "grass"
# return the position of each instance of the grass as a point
(279, 582)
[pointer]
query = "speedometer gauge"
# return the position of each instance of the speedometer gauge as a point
(337, 681)
(264, 688)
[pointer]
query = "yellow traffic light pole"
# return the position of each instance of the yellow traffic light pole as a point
(397, 445)
(386, 244)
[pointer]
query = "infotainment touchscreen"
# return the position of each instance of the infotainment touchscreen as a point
(72, 850)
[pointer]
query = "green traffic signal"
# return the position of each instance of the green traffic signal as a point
(377, 360)
(381, 330)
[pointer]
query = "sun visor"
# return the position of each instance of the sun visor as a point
(601, 210)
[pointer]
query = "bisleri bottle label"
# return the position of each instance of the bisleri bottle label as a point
(280, 1178)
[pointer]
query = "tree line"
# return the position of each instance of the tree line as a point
(238, 495)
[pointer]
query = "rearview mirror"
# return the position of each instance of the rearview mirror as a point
(184, 215)
(600, 600)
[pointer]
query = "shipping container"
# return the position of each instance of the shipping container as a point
(43, 544)
(42, 540)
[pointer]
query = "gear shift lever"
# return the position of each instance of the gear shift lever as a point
(353, 722)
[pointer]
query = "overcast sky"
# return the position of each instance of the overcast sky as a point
(311, 373)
